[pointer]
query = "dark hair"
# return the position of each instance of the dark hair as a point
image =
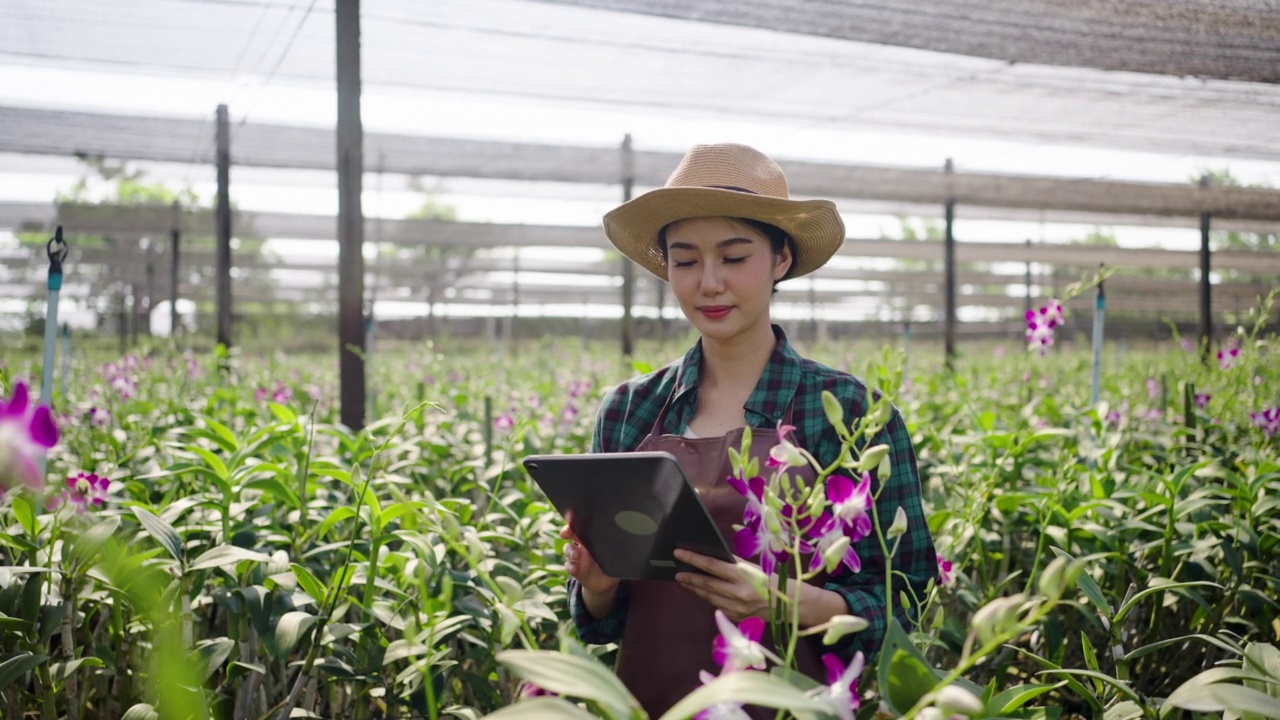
(778, 239)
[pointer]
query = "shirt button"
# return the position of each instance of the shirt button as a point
(777, 414)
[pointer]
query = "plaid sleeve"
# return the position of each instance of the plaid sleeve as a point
(915, 557)
(603, 630)
(592, 630)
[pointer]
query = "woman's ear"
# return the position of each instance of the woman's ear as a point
(782, 262)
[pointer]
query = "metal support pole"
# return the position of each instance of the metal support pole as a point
(628, 268)
(1028, 281)
(223, 220)
(175, 236)
(1206, 317)
(350, 139)
(151, 284)
(56, 249)
(949, 261)
(1099, 318)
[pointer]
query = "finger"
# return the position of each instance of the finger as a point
(705, 563)
(567, 533)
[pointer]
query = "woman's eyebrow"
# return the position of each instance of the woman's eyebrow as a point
(722, 244)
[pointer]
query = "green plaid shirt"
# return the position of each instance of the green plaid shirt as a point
(629, 411)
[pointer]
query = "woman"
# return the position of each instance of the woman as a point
(723, 232)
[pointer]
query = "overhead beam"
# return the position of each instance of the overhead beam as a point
(57, 132)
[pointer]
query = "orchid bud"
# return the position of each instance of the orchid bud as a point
(835, 412)
(998, 617)
(885, 469)
(784, 453)
(756, 578)
(872, 456)
(834, 553)
(842, 625)
(899, 526)
(955, 699)
(1053, 579)
(746, 441)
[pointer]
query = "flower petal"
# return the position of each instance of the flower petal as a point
(752, 628)
(43, 432)
(746, 543)
(835, 668)
(839, 488)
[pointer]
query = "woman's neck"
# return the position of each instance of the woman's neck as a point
(737, 361)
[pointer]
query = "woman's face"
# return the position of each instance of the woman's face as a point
(722, 274)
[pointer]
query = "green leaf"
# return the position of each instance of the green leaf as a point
(748, 688)
(210, 656)
(1166, 585)
(1222, 696)
(1265, 660)
(291, 629)
(141, 711)
(215, 462)
(90, 542)
(17, 666)
(26, 517)
(1148, 649)
(1090, 659)
(1190, 693)
(641, 367)
(1015, 697)
(61, 671)
(1127, 710)
(909, 680)
(277, 489)
(226, 555)
(1119, 685)
(540, 708)
(222, 433)
(310, 584)
(1089, 586)
(282, 413)
(573, 676)
(161, 531)
(339, 514)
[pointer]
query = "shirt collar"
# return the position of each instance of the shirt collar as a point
(773, 391)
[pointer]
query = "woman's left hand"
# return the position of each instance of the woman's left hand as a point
(725, 586)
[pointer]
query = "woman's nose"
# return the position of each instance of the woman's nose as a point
(711, 283)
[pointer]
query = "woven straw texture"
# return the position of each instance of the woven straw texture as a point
(725, 181)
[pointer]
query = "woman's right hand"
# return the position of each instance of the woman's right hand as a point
(579, 563)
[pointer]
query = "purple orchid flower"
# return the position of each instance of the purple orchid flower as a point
(738, 647)
(1202, 400)
(826, 532)
(1153, 389)
(841, 692)
(1227, 358)
(757, 540)
(504, 423)
(1268, 420)
(26, 433)
(851, 503)
(946, 572)
(753, 490)
(83, 489)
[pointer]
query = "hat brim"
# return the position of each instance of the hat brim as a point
(633, 227)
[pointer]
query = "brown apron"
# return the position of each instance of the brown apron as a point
(670, 631)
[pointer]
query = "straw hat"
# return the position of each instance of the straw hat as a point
(725, 181)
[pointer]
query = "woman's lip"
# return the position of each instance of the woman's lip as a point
(715, 311)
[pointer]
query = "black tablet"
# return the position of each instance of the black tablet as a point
(630, 510)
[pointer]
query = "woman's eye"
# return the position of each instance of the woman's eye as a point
(681, 263)
(734, 260)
